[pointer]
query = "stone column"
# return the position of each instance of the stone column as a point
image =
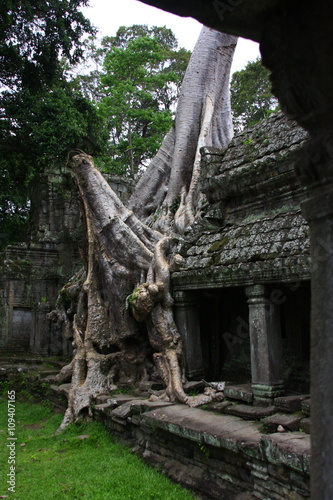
(318, 211)
(265, 337)
(187, 320)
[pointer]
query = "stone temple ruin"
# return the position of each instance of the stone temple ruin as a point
(242, 307)
(242, 300)
(296, 46)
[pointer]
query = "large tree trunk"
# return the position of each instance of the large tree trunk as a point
(203, 118)
(120, 310)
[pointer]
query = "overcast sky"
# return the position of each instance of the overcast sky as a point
(108, 15)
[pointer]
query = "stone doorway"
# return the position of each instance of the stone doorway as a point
(21, 328)
(223, 318)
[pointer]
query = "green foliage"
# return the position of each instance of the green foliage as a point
(34, 35)
(136, 91)
(203, 448)
(134, 295)
(63, 466)
(27, 385)
(175, 204)
(251, 97)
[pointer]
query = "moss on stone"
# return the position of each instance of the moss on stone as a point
(217, 246)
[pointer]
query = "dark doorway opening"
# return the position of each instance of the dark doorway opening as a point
(295, 330)
(223, 316)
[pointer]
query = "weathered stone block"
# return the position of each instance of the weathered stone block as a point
(250, 412)
(306, 407)
(305, 425)
(239, 392)
(289, 422)
(289, 449)
(289, 404)
(219, 407)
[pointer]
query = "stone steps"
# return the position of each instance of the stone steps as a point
(286, 413)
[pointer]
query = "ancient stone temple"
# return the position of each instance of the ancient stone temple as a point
(243, 298)
(32, 272)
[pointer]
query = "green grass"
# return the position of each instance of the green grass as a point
(65, 467)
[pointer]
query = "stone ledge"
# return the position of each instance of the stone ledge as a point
(290, 449)
(290, 404)
(216, 455)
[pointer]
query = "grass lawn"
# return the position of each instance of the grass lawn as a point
(66, 467)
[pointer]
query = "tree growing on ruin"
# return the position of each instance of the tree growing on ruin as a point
(119, 309)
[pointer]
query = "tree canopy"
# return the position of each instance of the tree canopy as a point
(251, 96)
(119, 112)
(136, 90)
(34, 35)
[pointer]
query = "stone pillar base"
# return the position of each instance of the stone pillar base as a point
(264, 394)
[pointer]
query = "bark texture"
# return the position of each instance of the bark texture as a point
(119, 310)
(168, 190)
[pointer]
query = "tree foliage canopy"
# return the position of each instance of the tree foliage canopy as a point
(136, 90)
(34, 35)
(251, 96)
(37, 130)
